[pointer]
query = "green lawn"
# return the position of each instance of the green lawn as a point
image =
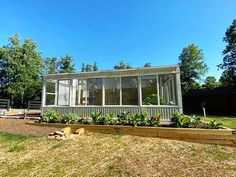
(95, 154)
(229, 122)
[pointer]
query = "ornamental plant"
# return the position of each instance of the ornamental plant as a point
(141, 119)
(70, 118)
(96, 116)
(107, 119)
(154, 121)
(51, 116)
(125, 118)
(214, 125)
(181, 120)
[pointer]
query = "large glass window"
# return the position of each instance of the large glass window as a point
(94, 88)
(149, 90)
(167, 86)
(129, 90)
(50, 92)
(112, 91)
(81, 92)
(63, 92)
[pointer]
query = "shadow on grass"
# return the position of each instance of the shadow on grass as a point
(6, 137)
(16, 148)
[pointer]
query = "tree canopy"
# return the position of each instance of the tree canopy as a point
(192, 67)
(20, 68)
(65, 65)
(122, 65)
(50, 65)
(146, 65)
(229, 61)
(89, 67)
(210, 82)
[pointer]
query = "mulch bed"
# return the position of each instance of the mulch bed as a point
(19, 126)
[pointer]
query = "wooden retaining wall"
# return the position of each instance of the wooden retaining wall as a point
(206, 136)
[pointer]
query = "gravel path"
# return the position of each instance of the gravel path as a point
(19, 126)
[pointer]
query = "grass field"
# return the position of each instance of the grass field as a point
(229, 122)
(112, 155)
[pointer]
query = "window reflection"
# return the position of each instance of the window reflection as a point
(112, 91)
(94, 88)
(129, 90)
(149, 90)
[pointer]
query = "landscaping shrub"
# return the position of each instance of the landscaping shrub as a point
(154, 121)
(96, 116)
(125, 118)
(107, 119)
(84, 120)
(141, 119)
(51, 116)
(214, 125)
(138, 119)
(181, 120)
(70, 118)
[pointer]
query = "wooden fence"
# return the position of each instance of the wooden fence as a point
(5, 104)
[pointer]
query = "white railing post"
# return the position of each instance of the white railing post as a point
(139, 91)
(103, 92)
(179, 93)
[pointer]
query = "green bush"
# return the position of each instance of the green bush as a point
(96, 116)
(138, 119)
(141, 119)
(214, 125)
(125, 118)
(181, 120)
(154, 121)
(70, 118)
(51, 116)
(107, 119)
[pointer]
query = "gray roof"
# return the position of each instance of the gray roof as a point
(118, 73)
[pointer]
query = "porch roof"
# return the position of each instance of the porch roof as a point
(116, 73)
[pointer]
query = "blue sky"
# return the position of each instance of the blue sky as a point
(106, 31)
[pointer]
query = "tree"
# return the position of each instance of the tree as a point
(229, 61)
(83, 69)
(122, 65)
(50, 65)
(192, 67)
(65, 65)
(89, 68)
(20, 68)
(227, 78)
(146, 65)
(210, 82)
(95, 66)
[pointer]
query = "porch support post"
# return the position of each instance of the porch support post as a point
(71, 93)
(158, 91)
(120, 91)
(43, 101)
(179, 93)
(103, 92)
(56, 92)
(44, 94)
(139, 91)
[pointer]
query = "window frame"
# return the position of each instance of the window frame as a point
(71, 80)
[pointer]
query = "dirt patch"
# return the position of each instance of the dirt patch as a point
(19, 126)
